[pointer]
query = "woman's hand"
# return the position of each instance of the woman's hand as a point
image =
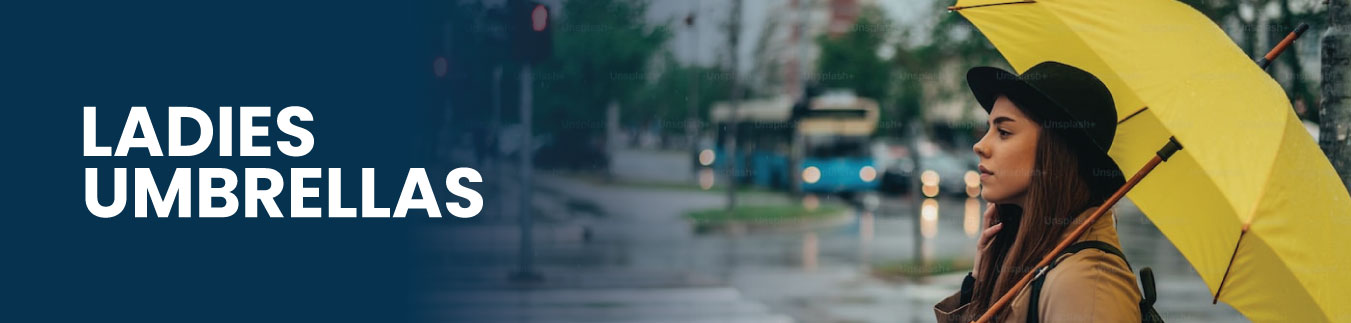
(986, 237)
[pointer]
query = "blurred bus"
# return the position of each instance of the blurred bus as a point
(821, 146)
(764, 141)
(836, 138)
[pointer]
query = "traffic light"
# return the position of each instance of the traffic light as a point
(532, 34)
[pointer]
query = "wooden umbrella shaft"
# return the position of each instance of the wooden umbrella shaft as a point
(1161, 156)
(1266, 60)
(955, 8)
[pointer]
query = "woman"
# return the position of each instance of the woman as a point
(1044, 168)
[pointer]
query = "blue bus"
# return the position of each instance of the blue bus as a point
(824, 147)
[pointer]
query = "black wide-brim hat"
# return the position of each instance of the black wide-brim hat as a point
(1060, 97)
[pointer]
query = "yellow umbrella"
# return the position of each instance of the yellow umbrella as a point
(1250, 185)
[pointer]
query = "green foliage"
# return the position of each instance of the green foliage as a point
(667, 98)
(602, 50)
(850, 60)
(952, 40)
(953, 37)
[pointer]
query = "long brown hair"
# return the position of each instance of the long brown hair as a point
(1068, 177)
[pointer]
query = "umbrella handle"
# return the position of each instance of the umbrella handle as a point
(1163, 154)
(1265, 61)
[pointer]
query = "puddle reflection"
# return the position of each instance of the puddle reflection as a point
(971, 220)
(928, 214)
(809, 251)
(866, 229)
(706, 178)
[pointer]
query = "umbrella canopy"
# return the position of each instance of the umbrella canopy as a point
(1248, 163)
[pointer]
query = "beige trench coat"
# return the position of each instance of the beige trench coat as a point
(1088, 286)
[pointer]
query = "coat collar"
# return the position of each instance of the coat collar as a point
(1104, 230)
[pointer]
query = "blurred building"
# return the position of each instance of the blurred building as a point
(785, 51)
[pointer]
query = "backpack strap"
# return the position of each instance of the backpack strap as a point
(1147, 312)
(1035, 297)
(1105, 247)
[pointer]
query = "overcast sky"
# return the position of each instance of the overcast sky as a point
(713, 14)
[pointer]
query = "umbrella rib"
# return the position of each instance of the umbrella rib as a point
(1247, 224)
(1224, 278)
(1321, 308)
(1133, 114)
(955, 8)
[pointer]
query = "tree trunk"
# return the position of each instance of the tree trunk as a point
(1335, 114)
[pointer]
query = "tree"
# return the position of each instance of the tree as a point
(925, 73)
(1336, 73)
(850, 61)
(666, 98)
(602, 50)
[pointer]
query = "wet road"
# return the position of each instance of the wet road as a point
(637, 255)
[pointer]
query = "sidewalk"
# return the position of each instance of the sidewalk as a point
(619, 261)
(628, 255)
(767, 268)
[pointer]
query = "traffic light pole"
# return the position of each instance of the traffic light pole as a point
(526, 272)
(530, 42)
(733, 39)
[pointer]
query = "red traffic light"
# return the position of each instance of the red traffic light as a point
(539, 18)
(531, 34)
